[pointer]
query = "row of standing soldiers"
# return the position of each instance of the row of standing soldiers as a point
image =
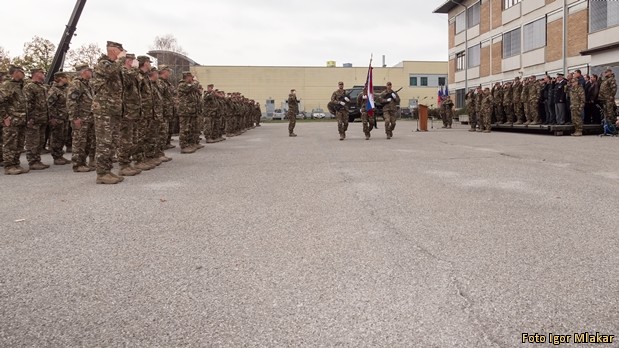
(121, 111)
(520, 102)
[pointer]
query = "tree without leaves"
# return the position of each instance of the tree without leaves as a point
(167, 43)
(85, 54)
(5, 59)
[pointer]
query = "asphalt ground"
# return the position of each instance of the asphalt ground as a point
(438, 239)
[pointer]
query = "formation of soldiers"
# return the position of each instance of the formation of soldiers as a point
(542, 101)
(122, 110)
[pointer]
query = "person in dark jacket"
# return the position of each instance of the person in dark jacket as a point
(560, 99)
(592, 115)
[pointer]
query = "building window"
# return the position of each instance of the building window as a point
(460, 22)
(511, 43)
(474, 56)
(460, 96)
(413, 81)
(460, 64)
(509, 3)
(603, 14)
(441, 81)
(534, 35)
(424, 81)
(474, 15)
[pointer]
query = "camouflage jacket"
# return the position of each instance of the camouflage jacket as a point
(362, 102)
(188, 99)
(524, 97)
(390, 105)
(36, 103)
(158, 108)
(337, 95)
(293, 104)
(478, 100)
(517, 92)
(167, 93)
(13, 102)
(57, 102)
(486, 102)
(508, 95)
(147, 95)
(470, 103)
(132, 99)
(535, 91)
(79, 100)
(577, 97)
(448, 105)
(497, 95)
(107, 85)
(210, 101)
(608, 89)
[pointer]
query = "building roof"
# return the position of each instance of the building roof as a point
(158, 53)
(598, 49)
(448, 6)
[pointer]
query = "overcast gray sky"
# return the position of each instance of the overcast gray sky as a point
(244, 32)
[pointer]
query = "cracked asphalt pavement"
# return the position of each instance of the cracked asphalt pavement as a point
(437, 239)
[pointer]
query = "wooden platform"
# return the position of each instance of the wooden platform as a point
(547, 129)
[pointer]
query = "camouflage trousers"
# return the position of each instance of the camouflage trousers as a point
(257, 119)
(486, 120)
(153, 145)
(57, 138)
(217, 126)
(533, 114)
(13, 140)
(106, 121)
(126, 141)
(1, 139)
(84, 144)
(368, 123)
(292, 121)
(229, 124)
(447, 118)
(518, 112)
(35, 141)
(140, 141)
(68, 138)
(171, 124)
(342, 120)
(210, 131)
(577, 120)
(187, 126)
(498, 113)
(473, 120)
(609, 112)
(509, 113)
(390, 118)
(164, 130)
(198, 128)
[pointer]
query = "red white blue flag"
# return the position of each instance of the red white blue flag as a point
(369, 87)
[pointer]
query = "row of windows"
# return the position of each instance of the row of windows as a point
(473, 18)
(509, 3)
(416, 81)
(531, 37)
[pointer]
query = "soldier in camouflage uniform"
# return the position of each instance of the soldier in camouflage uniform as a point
(390, 101)
(2, 116)
(258, 113)
(188, 100)
(517, 93)
(368, 121)
(79, 108)
(470, 107)
(508, 104)
(13, 106)
(131, 116)
(486, 107)
(339, 97)
(524, 100)
(577, 105)
(144, 133)
(155, 152)
(107, 109)
(168, 94)
(293, 110)
(479, 95)
(608, 90)
(535, 91)
(38, 117)
(497, 99)
(448, 106)
(58, 117)
(211, 106)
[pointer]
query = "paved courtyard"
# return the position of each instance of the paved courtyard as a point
(436, 239)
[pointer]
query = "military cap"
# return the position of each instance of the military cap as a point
(560, 74)
(187, 73)
(143, 59)
(14, 68)
(210, 85)
(154, 69)
(130, 56)
(163, 67)
(80, 67)
(36, 70)
(114, 44)
(60, 74)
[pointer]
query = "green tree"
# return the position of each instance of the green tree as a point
(85, 54)
(38, 54)
(5, 59)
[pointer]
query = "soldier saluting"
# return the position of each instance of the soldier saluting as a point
(293, 110)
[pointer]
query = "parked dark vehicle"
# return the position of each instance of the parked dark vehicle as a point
(406, 113)
(354, 111)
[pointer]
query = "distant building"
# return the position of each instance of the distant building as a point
(314, 85)
(497, 40)
(176, 61)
